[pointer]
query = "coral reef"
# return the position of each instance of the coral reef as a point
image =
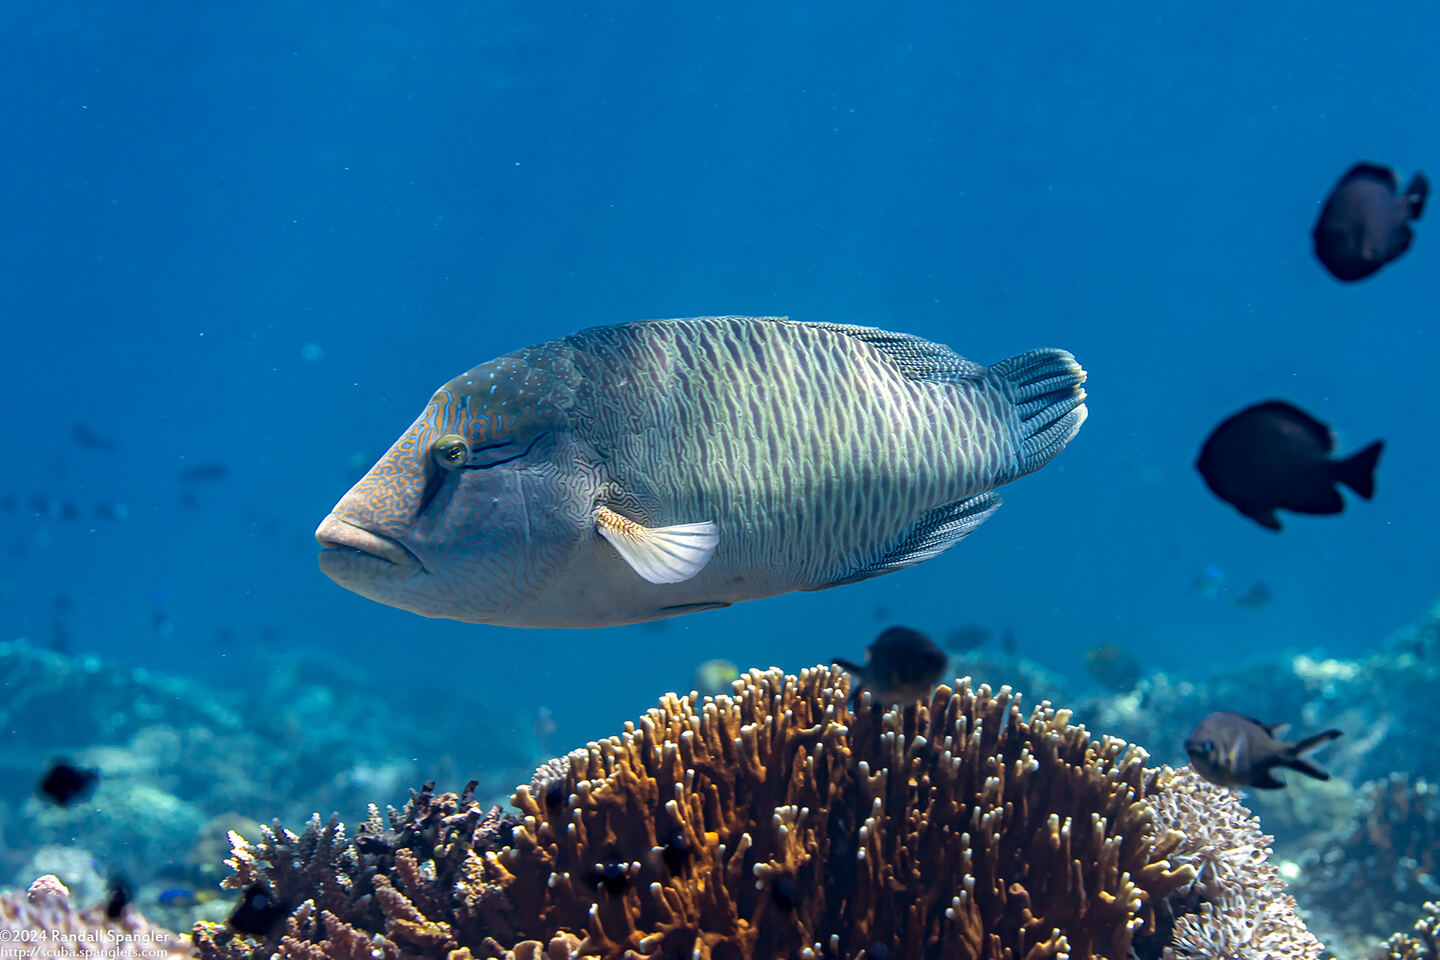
(43, 923)
(1421, 943)
(999, 668)
(72, 865)
(1382, 701)
(306, 733)
(1236, 908)
(1376, 871)
(776, 822)
(1113, 667)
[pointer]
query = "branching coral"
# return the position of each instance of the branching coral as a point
(1421, 943)
(772, 823)
(1236, 908)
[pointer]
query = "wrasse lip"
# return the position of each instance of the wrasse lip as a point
(343, 537)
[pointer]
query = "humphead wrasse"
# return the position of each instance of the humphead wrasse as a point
(652, 469)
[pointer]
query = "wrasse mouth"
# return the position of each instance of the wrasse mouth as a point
(349, 551)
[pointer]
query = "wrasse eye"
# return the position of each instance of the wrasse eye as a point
(450, 451)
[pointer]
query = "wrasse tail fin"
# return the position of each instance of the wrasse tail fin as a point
(1050, 399)
(671, 554)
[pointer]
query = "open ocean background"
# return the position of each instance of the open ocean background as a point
(261, 235)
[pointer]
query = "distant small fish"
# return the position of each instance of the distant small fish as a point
(1207, 582)
(1007, 641)
(177, 897)
(713, 677)
(1254, 598)
(64, 783)
(259, 912)
(359, 463)
(1365, 222)
(61, 639)
(119, 897)
(1234, 750)
(204, 473)
(111, 511)
(543, 727)
(1275, 456)
(87, 436)
(68, 511)
(1113, 666)
(966, 638)
(900, 666)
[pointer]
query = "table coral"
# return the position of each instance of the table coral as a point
(773, 822)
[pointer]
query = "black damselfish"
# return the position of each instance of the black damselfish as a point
(118, 897)
(258, 912)
(900, 666)
(1234, 750)
(1365, 222)
(64, 783)
(1275, 456)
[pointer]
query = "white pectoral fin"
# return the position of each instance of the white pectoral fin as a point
(660, 554)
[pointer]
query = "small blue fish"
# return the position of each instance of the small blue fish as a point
(177, 897)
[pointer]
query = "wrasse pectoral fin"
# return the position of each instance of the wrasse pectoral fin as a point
(660, 554)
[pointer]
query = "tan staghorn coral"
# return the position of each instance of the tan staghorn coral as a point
(1421, 943)
(43, 923)
(772, 823)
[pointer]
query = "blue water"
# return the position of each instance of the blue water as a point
(262, 234)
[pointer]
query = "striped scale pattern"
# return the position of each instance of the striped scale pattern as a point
(823, 453)
(815, 447)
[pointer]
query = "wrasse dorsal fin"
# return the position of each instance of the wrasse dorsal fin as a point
(670, 554)
(915, 357)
